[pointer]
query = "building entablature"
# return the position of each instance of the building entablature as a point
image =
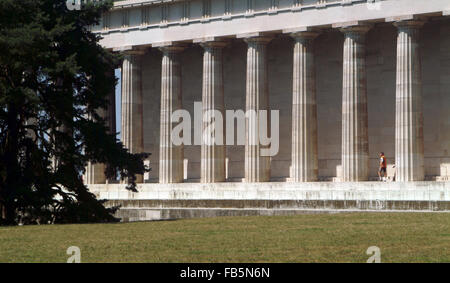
(146, 23)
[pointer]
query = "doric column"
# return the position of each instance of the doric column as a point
(95, 173)
(409, 152)
(213, 151)
(132, 105)
(355, 140)
(170, 155)
(257, 167)
(304, 110)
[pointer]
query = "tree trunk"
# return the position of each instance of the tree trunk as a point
(12, 179)
(10, 215)
(2, 213)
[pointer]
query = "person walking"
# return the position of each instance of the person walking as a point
(382, 172)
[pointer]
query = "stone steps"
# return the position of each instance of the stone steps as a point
(146, 210)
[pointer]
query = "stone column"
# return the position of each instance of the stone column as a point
(213, 154)
(304, 110)
(132, 105)
(355, 140)
(95, 173)
(170, 155)
(409, 151)
(257, 167)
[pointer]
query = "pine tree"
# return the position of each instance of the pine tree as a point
(54, 78)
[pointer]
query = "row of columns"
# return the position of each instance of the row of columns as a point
(409, 139)
(409, 154)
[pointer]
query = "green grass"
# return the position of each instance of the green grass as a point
(402, 237)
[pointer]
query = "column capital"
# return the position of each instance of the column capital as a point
(134, 52)
(210, 42)
(172, 49)
(259, 40)
(129, 50)
(355, 29)
(213, 44)
(409, 24)
(302, 35)
(255, 37)
(169, 47)
(302, 32)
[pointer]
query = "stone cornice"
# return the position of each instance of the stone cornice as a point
(284, 21)
(123, 4)
(228, 15)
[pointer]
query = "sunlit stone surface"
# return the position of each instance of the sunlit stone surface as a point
(347, 79)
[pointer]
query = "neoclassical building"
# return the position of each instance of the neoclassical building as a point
(350, 78)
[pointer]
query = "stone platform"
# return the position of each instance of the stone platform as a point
(190, 200)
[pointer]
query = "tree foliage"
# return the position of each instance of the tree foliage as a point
(54, 77)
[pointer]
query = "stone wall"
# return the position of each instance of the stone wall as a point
(173, 201)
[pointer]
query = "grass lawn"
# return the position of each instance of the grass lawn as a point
(401, 237)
